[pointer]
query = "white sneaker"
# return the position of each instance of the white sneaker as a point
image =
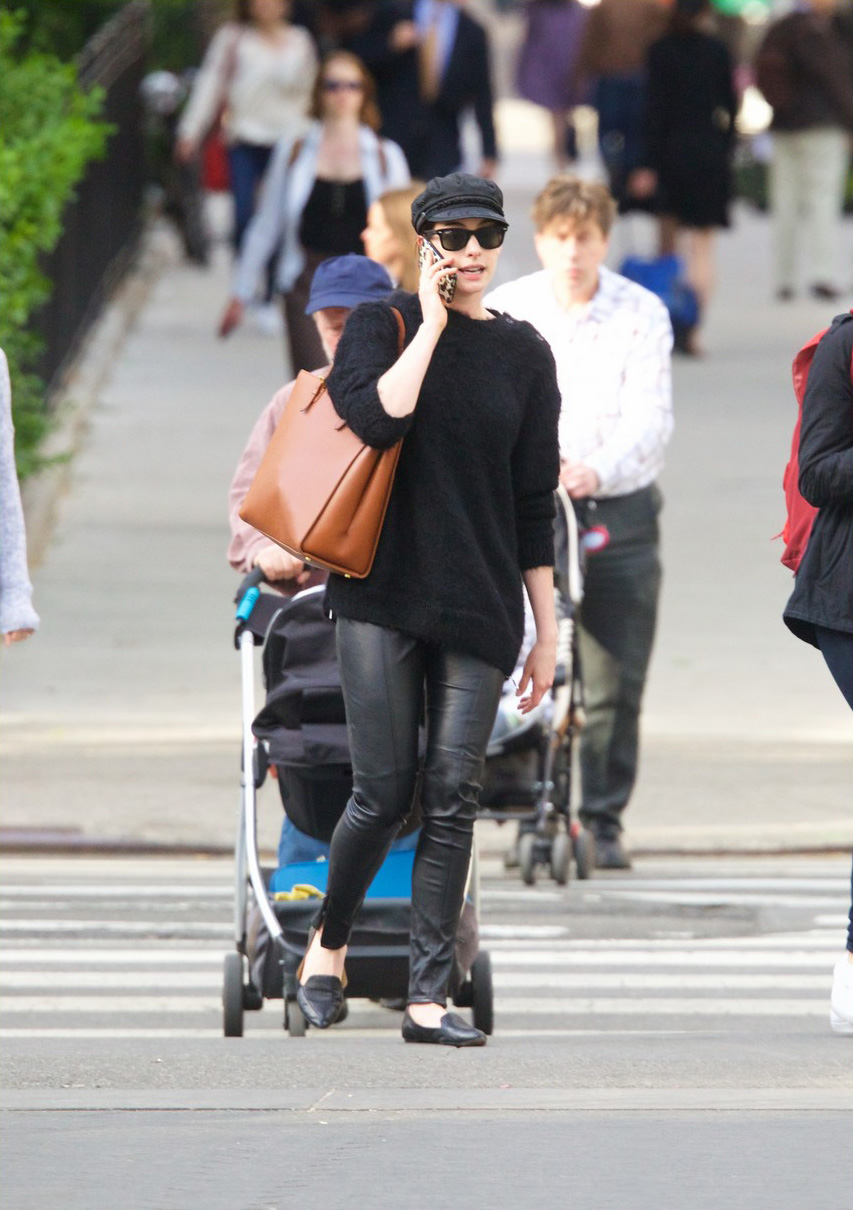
(841, 1003)
(267, 319)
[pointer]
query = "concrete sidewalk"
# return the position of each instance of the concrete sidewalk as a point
(121, 718)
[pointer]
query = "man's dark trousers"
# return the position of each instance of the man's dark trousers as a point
(618, 616)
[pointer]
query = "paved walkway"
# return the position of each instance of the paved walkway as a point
(121, 718)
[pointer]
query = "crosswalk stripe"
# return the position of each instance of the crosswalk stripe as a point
(646, 957)
(669, 1006)
(706, 899)
(211, 979)
(128, 890)
(49, 925)
(110, 957)
(580, 1006)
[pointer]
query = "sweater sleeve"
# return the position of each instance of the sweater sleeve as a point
(367, 349)
(536, 467)
(826, 435)
(210, 85)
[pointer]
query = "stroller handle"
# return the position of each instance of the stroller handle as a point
(248, 593)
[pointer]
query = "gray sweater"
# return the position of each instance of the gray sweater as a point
(16, 591)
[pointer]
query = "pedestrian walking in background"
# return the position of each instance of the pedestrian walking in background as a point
(612, 343)
(339, 285)
(474, 398)
(455, 76)
(547, 66)
(257, 77)
(389, 237)
(689, 139)
(383, 34)
(612, 64)
(18, 619)
(315, 199)
(820, 609)
(804, 67)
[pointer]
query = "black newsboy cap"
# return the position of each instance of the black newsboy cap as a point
(459, 195)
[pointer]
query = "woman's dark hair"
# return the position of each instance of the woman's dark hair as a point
(243, 11)
(369, 112)
(685, 14)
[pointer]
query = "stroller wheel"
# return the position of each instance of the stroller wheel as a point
(294, 1019)
(584, 846)
(561, 858)
(527, 857)
(232, 996)
(483, 998)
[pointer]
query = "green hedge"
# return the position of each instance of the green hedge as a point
(49, 132)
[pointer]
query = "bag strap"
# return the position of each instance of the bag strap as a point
(401, 330)
(295, 152)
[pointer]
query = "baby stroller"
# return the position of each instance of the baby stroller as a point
(529, 761)
(301, 730)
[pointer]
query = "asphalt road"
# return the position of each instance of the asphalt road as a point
(661, 1040)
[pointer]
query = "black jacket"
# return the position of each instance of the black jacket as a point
(823, 591)
(817, 69)
(466, 84)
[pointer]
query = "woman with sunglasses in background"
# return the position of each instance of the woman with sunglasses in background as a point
(257, 74)
(474, 397)
(315, 199)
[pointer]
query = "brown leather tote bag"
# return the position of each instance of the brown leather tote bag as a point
(320, 492)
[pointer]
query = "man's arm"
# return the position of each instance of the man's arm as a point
(245, 539)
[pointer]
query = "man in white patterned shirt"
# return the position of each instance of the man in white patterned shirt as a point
(612, 342)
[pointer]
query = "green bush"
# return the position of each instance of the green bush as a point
(49, 132)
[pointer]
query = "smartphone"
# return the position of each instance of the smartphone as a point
(428, 255)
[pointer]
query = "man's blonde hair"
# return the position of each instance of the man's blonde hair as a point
(568, 197)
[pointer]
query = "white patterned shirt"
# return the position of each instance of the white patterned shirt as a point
(614, 373)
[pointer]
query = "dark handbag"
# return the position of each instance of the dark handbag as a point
(320, 492)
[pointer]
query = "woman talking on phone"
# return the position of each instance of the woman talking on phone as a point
(474, 397)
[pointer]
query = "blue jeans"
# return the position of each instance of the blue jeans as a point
(247, 163)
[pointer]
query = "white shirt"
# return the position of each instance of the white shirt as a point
(613, 370)
(264, 86)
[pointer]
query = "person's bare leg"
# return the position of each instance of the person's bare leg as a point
(667, 235)
(319, 961)
(700, 263)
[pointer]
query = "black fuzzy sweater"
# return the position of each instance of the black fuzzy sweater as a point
(472, 504)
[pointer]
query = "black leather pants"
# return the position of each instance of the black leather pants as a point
(384, 673)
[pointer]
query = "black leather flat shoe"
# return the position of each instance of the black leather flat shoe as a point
(321, 999)
(453, 1031)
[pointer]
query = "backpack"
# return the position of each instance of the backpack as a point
(664, 276)
(800, 514)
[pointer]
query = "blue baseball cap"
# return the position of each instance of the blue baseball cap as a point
(346, 281)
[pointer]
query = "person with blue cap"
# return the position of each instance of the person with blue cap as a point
(339, 285)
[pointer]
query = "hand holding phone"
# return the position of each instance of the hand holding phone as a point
(427, 255)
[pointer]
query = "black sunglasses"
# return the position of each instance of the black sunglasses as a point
(454, 239)
(342, 86)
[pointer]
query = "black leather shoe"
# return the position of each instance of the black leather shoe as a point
(321, 999)
(453, 1031)
(609, 854)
